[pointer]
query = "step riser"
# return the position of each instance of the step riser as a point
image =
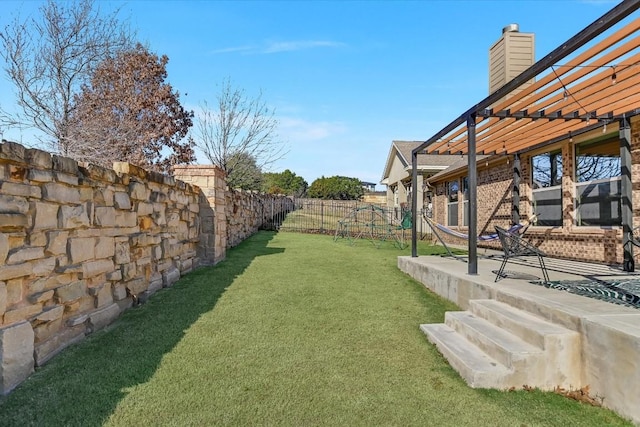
(518, 328)
(499, 378)
(473, 377)
(533, 350)
(561, 345)
(544, 311)
(535, 331)
(531, 361)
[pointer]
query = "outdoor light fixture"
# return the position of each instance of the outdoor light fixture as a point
(613, 76)
(570, 137)
(566, 95)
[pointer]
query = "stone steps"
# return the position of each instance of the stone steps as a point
(477, 368)
(501, 345)
(494, 345)
(521, 323)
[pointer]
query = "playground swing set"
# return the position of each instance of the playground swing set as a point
(375, 224)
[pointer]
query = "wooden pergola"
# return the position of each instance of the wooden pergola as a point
(599, 84)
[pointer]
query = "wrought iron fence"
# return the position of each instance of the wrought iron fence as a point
(327, 216)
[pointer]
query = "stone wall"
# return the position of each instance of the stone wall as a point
(78, 245)
(211, 182)
(248, 211)
(238, 214)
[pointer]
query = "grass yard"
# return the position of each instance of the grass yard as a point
(290, 330)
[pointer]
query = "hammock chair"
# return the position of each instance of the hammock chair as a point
(520, 228)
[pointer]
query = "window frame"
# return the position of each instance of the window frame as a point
(609, 207)
(552, 191)
(453, 202)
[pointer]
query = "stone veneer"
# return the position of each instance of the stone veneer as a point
(238, 213)
(79, 244)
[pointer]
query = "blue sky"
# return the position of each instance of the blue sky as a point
(345, 78)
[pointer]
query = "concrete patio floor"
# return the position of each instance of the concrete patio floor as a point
(609, 357)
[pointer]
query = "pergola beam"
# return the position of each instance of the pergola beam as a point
(524, 114)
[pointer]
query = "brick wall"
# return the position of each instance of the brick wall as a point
(495, 182)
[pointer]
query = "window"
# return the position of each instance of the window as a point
(428, 204)
(452, 202)
(465, 201)
(598, 184)
(546, 170)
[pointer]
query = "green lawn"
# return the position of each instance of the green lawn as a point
(290, 330)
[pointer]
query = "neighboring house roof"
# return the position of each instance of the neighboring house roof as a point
(459, 165)
(401, 151)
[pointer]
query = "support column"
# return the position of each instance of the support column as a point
(626, 193)
(213, 233)
(414, 203)
(390, 199)
(402, 199)
(515, 192)
(473, 195)
(420, 193)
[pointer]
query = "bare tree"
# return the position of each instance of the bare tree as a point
(129, 113)
(239, 130)
(547, 169)
(49, 57)
(594, 167)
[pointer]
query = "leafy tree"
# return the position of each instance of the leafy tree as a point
(239, 125)
(285, 182)
(248, 177)
(336, 188)
(49, 57)
(129, 113)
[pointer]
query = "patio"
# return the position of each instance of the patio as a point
(605, 337)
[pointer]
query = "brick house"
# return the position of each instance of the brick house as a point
(561, 139)
(397, 174)
(576, 218)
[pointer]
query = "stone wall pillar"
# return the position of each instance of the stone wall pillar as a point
(213, 221)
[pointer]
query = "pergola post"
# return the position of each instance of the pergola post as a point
(414, 203)
(626, 193)
(515, 192)
(472, 167)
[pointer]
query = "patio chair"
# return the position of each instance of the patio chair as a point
(634, 236)
(513, 245)
(634, 239)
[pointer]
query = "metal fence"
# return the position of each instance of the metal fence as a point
(327, 216)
